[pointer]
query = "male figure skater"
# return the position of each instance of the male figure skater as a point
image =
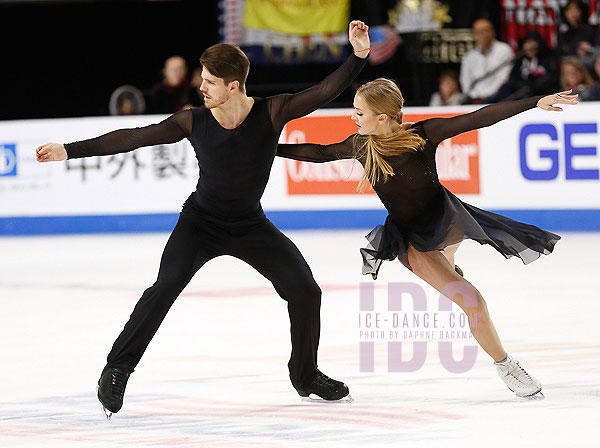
(235, 140)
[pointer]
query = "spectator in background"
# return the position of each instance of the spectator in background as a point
(574, 75)
(127, 100)
(196, 98)
(172, 93)
(487, 66)
(593, 93)
(448, 93)
(575, 37)
(534, 72)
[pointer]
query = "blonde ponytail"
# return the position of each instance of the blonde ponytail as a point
(383, 97)
(375, 148)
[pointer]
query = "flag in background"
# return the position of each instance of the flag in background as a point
(593, 12)
(303, 17)
(520, 16)
(287, 31)
(384, 42)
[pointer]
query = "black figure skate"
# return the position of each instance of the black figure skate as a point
(328, 389)
(111, 388)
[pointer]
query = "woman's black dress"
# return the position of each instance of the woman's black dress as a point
(422, 212)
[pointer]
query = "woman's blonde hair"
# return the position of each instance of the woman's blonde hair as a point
(586, 78)
(383, 97)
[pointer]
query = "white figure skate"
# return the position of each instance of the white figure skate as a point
(517, 379)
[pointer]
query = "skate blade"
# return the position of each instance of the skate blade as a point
(107, 413)
(534, 396)
(312, 398)
(537, 396)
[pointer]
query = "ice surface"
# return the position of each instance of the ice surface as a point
(215, 375)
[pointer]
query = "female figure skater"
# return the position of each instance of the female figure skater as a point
(426, 222)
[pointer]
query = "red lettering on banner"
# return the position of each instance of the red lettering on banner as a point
(457, 158)
(458, 163)
(340, 177)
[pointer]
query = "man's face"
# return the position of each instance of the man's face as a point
(214, 90)
(483, 33)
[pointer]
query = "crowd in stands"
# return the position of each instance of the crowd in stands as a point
(492, 71)
(175, 91)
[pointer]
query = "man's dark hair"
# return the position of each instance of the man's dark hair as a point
(228, 62)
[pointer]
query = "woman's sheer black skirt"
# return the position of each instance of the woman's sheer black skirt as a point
(459, 221)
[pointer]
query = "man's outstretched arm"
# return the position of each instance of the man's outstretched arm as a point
(286, 107)
(170, 130)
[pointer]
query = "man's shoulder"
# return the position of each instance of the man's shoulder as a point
(502, 47)
(472, 53)
(199, 116)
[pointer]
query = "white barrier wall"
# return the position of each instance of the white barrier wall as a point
(148, 180)
(542, 167)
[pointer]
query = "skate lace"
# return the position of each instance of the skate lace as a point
(322, 379)
(118, 382)
(520, 369)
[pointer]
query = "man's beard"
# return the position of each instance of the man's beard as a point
(213, 102)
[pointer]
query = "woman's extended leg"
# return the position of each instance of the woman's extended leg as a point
(435, 268)
(449, 253)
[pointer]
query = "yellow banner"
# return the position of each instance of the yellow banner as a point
(301, 17)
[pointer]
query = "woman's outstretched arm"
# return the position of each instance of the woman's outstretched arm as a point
(311, 152)
(439, 129)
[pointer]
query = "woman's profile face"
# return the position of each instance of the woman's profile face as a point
(365, 118)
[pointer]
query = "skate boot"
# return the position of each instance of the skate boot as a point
(516, 378)
(111, 388)
(326, 388)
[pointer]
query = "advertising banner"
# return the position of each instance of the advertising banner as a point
(540, 167)
(149, 180)
(536, 160)
(457, 158)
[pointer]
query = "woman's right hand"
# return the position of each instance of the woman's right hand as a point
(564, 97)
(51, 152)
(358, 35)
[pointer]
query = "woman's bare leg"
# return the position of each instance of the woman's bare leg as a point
(449, 253)
(435, 268)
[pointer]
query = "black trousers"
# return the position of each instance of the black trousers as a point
(197, 239)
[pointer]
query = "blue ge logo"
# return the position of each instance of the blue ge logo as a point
(8, 159)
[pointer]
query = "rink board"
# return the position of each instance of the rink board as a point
(539, 167)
